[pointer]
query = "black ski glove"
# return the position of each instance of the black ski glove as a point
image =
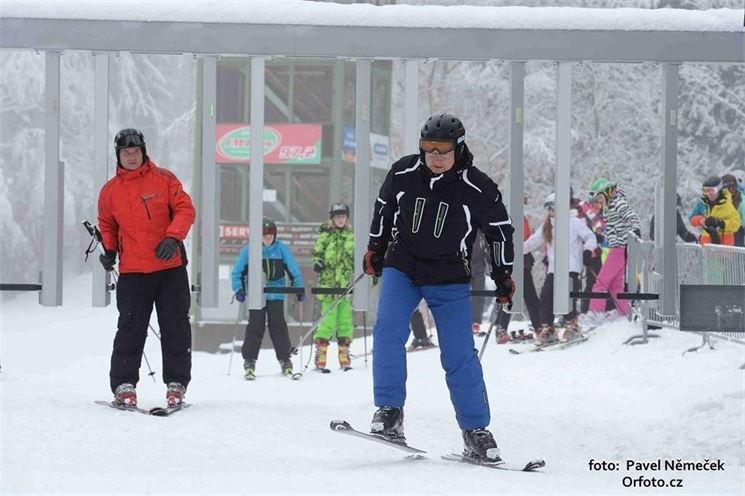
(108, 259)
(714, 223)
(318, 266)
(638, 233)
(505, 287)
(372, 264)
(166, 249)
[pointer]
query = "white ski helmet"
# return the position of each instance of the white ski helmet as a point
(740, 176)
(550, 201)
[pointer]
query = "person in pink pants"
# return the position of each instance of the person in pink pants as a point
(621, 222)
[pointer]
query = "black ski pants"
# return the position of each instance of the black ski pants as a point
(135, 295)
(274, 312)
(547, 298)
(478, 283)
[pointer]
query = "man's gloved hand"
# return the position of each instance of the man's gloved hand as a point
(240, 296)
(108, 259)
(318, 266)
(587, 256)
(301, 297)
(638, 232)
(372, 263)
(166, 249)
(714, 223)
(505, 287)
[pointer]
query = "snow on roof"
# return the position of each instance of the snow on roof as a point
(297, 12)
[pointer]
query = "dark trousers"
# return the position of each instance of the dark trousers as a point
(547, 298)
(135, 295)
(531, 301)
(417, 325)
(274, 312)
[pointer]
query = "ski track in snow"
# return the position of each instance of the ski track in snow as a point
(599, 400)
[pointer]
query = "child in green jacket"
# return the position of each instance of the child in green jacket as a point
(333, 261)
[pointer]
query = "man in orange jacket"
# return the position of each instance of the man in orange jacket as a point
(144, 215)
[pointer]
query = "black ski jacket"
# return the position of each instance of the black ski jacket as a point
(431, 221)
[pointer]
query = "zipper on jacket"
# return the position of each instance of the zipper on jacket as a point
(145, 198)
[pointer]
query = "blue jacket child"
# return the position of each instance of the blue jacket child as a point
(276, 259)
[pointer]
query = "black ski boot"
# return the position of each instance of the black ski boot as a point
(479, 444)
(388, 421)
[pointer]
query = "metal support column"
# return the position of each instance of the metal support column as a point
(101, 149)
(337, 109)
(361, 298)
(256, 214)
(561, 187)
(54, 207)
(411, 106)
(517, 175)
(208, 296)
(669, 185)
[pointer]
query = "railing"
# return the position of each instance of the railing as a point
(710, 264)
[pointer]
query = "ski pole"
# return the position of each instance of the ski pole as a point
(364, 333)
(492, 324)
(336, 302)
(96, 235)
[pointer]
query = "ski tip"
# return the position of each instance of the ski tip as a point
(340, 425)
(514, 352)
(296, 376)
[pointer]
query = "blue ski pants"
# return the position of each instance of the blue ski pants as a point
(451, 307)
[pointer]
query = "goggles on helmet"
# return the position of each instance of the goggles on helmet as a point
(436, 146)
(711, 189)
(129, 140)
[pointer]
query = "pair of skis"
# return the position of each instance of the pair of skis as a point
(343, 427)
(553, 345)
(158, 411)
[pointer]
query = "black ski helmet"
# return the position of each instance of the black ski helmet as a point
(128, 138)
(268, 227)
(445, 127)
(713, 182)
(339, 208)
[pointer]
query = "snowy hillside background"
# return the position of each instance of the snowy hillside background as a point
(616, 126)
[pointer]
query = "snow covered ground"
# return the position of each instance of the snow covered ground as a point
(600, 400)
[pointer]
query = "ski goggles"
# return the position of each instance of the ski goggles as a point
(129, 140)
(436, 146)
(710, 189)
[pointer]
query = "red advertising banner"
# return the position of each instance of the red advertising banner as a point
(283, 143)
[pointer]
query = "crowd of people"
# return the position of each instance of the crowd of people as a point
(439, 227)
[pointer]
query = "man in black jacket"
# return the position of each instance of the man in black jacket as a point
(429, 210)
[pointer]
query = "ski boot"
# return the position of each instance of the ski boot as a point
(249, 367)
(322, 346)
(345, 362)
(388, 422)
(125, 396)
(571, 331)
(503, 337)
(479, 445)
(547, 335)
(286, 366)
(421, 344)
(175, 394)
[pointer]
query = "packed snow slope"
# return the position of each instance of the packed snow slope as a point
(600, 400)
